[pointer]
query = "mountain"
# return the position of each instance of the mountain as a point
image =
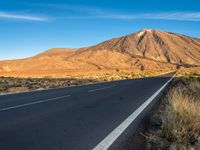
(155, 45)
(146, 49)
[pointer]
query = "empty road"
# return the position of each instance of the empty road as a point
(74, 118)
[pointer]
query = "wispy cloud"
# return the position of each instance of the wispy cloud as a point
(16, 16)
(69, 11)
(75, 8)
(183, 16)
(178, 16)
(98, 13)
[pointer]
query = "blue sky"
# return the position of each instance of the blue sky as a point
(28, 27)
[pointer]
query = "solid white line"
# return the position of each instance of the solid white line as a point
(109, 140)
(33, 103)
(106, 87)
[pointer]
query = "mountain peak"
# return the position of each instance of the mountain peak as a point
(146, 30)
(149, 48)
(156, 45)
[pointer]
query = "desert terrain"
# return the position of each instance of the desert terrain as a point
(147, 49)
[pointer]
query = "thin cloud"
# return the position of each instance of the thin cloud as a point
(74, 8)
(178, 16)
(6, 15)
(98, 13)
(182, 16)
(69, 11)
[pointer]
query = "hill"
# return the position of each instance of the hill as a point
(143, 50)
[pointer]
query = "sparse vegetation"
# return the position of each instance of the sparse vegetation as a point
(178, 117)
(189, 72)
(11, 84)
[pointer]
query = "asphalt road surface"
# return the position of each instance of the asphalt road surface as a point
(73, 118)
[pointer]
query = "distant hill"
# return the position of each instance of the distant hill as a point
(146, 49)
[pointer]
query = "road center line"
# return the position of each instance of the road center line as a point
(106, 87)
(110, 138)
(33, 103)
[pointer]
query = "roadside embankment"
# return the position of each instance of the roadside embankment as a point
(175, 124)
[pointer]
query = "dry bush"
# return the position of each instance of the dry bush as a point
(11, 84)
(180, 119)
(188, 72)
(182, 122)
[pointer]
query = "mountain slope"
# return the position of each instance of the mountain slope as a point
(156, 45)
(146, 49)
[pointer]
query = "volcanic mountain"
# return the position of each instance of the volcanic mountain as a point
(146, 49)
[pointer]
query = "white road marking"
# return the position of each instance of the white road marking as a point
(106, 87)
(33, 103)
(109, 139)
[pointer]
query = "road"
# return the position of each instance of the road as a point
(73, 118)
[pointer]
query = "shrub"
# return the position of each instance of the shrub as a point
(182, 121)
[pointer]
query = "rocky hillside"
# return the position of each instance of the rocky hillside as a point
(155, 45)
(146, 50)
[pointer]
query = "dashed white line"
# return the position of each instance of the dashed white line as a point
(33, 103)
(109, 140)
(106, 87)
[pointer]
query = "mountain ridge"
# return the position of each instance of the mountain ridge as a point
(148, 49)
